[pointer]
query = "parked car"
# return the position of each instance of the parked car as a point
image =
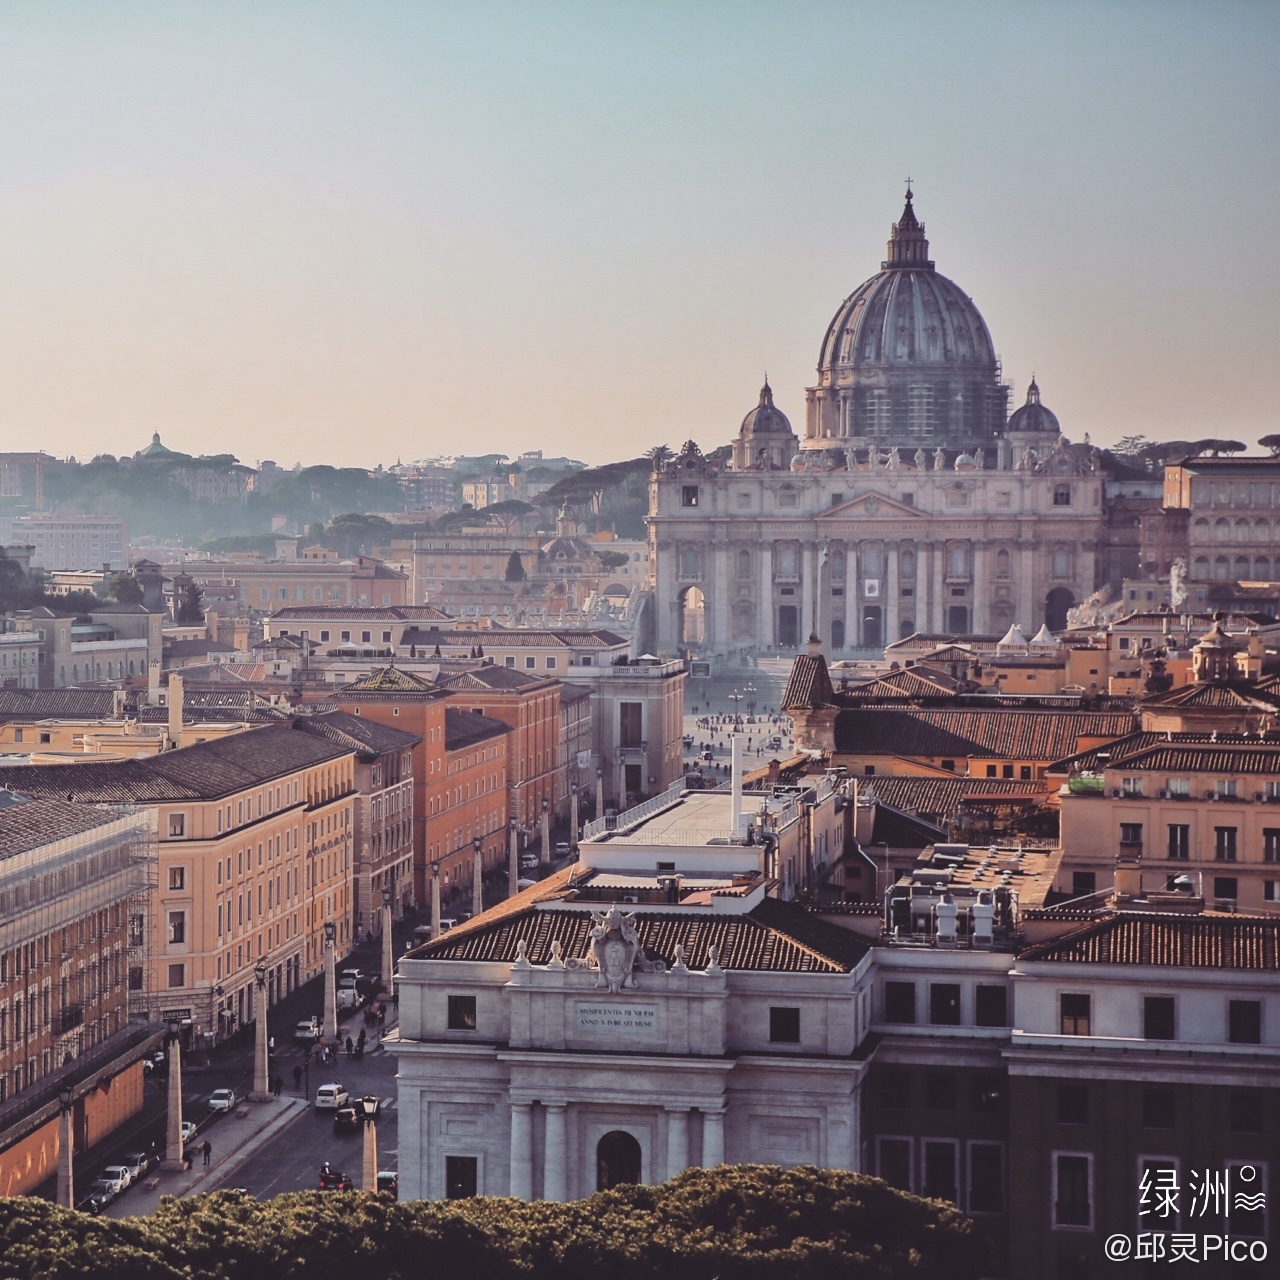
(447, 923)
(329, 1097)
(388, 1180)
(562, 850)
(528, 862)
(120, 1173)
(350, 975)
(223, 1100)
(102, 1191)
(138, 1163)
(188, 1131)
(346, 1120)
(307, 1031)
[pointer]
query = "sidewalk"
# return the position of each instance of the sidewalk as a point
(234, 1139)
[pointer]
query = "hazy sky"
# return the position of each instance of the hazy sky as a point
(356, 232)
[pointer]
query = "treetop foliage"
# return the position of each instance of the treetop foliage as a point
(749, 1222)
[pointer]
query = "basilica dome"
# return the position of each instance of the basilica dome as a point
(908, 359)
(1033, 416)
(766, 417)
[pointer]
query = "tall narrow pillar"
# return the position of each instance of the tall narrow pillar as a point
(477, 879)
(599, 793)
(435, 900)
(173, 1121)
(712, 1139)
(573, 820)
(388, 951)
(261, 1060)
(513, 861)
(330, 984)
(522, 1150)
(66, 1155)
(677, 1140)
(545, 855)
(554, 1175)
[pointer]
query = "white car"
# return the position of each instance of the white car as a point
(138, 1163)
(223, 1100)
(120, 1173)
(188, 1131)
(329, 1097)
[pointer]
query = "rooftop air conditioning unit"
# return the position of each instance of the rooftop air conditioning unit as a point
(1257, 795)
(1115, 791)
(1162, 795)
(1210, 795)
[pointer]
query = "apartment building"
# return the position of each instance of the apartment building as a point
(255, 854)
(73, 884)
(471, 554)
(264, 586)
(70, 541)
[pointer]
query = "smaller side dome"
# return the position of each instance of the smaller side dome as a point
(1033, 416)
(766, 418)
(765, 439)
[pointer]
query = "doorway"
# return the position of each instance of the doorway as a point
(788, 626)
(617, 1160)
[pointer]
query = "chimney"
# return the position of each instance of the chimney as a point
(211, 624)
(175, 708)
(1128, 877)
(153, 682)
(117, 704)
(735, 802)
(775, 771)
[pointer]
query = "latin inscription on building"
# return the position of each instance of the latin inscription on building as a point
(616, 1019)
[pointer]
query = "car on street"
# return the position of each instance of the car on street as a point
(120, 1173)
(188, 1131)
(307, 1031)
(388, 1180)
(138, 1163)
(562, 849)
(223, 1100)
(346, 1120)
(447, 923)
(529, 862)
(102, 1191)
(334, 1179)
(350, 977)
(329, 1097)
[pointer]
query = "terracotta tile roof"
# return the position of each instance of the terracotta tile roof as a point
(343, 613)
(1208, 757)
(513, 638)
(988, 734)
(908, 685)
(393, 680)
(1235, 696)
(940, 799)
(32, 823)
(489, 677)
(774, 937)
(1199, 942)
(367, 738)
(466, 728)
(55, 704)
(809, 686)
(1134, 744)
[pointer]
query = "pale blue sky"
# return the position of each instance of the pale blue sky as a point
(351, 232)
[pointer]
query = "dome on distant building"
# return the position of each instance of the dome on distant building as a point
(1033, 416)
(155, 449)
(766, 417)
(908, 359)
(765, 438)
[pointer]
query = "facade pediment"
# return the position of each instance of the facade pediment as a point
(871, 506)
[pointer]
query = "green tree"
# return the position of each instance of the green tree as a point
(1271, 442)
(612, 559)
(125, 589)
(190, 606)
(515, 568)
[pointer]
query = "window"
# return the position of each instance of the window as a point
(1271, 844)
(551, 664)
(992, 1006)
(177, 926)
(177, 975)
(460, 1177)
(1226, 888)
(1061, 495)
(1224, 844)
(1244, 1021)
(1131, 833)
(988, 1091)
(1131, 786)
(530, 663)
(1073, 1104)
(462, 1013)
(986, 1177)
(939, 1170)
(1244, 1111)
(631, 724)
(940, 1091)
(324, 637)
(899, 1001)
(1072, 1190)
(689, 495)
(177, 877)
(944, 1004)
(1083, 883)
(1179, 786)
(1226, 789)
(894, 1163)
(1075, 1014)
(1179, 841)
(784, 1025)
(345, 637)
(177, 826)
(1157, 1018)
(510, 661)
(894, 1089)
(1158, 1107)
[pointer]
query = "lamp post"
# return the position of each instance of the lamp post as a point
(330, 982)
(644, 768)
(513, 861)
(388, 958)
(573, 820)
(369, 1112)
(477, 876)
(750, 691)
(261, 1065)
(599, 794)
(66, 1144)
(173, 1157)
(545, 856)
(435, 900)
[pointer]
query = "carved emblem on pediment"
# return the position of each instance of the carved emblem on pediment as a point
(615, 951)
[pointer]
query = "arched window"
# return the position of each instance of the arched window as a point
(1242, 529)
(1202, 522)
(872, 559)
(1221, 568)
(618, 1160)
(907, 566)
(1262, 530)
(1002, 563)
(957, 560)
(788, 560)
(836, 567)
(1242, 567)
(744, 563)
(1201, 568)
(1222, 529)
(1262, 569)
(75, 673)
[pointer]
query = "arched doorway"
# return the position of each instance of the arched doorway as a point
(693, 616)
(1056, 604)
(837, 634)
(617, 1160)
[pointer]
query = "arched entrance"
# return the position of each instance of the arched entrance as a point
(837, 634)
(617, 1160)
(1056, 604)
(693, 616)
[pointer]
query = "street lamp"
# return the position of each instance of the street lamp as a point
(388, 958)
(330, 982)
(477, 876)
(66, 1141)
(369, 1113)
(261, 1065)
(173, 1154)
(545, 855)
(599, 794)
(513, 861)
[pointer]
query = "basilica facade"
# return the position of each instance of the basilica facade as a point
(914, 502)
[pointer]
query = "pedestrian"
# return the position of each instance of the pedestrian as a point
(297, 1076)
(206, 1150)
(350, 1046)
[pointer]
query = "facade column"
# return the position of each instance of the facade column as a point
(1026, 571)
(764, 618)
(940, 579)
(677, 1140)
(891, 593)
(522, 1150)
(717, 616)
(981, 587)
(554, 1183)
(712, 1139)
(808, 617)
(852, 584)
